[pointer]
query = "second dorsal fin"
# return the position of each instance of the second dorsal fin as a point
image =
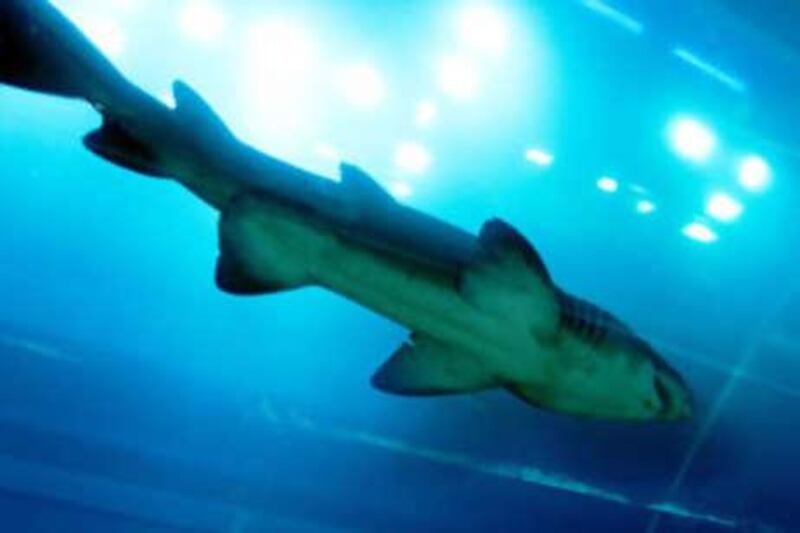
(362, 186)
(195, 111)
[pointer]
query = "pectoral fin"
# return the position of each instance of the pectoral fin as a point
(426, 367)
(238, 236)
(231, 278)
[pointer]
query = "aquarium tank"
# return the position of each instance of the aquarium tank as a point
(195, 325)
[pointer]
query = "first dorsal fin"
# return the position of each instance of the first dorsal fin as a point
(502, 240)
(191, 107)
(508, 278)
(362, 185)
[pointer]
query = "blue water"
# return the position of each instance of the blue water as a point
(134, 396)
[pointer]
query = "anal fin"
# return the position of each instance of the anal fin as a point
(427, 367)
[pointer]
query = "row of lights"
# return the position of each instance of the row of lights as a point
(284, 53)
(480, 28)
(695, 142)
(482, 34)
(643, 205)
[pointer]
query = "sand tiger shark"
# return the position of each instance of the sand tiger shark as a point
(483, 310)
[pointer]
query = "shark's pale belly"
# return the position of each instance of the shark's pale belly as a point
(278, 246)
(550, 366)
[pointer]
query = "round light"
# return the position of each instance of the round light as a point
(692, 140)
(401, 190)
(362, 85)
(700, 232)
(282, 46)
(754, 173)
(328, 152)
(458, 78)
(724, 208)
(281, 63)
(104, 32)
(539, 157)
(483, 28)
(608, 184)
(645, 207)
(412, 158)
(202, 21)
(426, 113)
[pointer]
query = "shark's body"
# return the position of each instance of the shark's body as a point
(483, 311)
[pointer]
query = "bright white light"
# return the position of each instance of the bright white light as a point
(458, 78)
(362, 85)
(283, 46)
(539, 157)
(645, 207)
(426, 113)
(131, 5)
(700, 232)
(328, 152)
(327, 163)
(127, 7)
(692, 140)
(412, 157)
(401, 190)
(608, 184)
(202, 21)
(167, 97)
(281, 63)
(104, 32)
(724, 208)
(484, 28)
(117, 7)
(754, 173)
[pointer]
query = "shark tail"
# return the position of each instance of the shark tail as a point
(42, 51)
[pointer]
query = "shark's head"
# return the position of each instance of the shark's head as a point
(620, 379)
(656, 391)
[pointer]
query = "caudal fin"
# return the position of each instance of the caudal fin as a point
(41, 50)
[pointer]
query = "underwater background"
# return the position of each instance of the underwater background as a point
(648, 149)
